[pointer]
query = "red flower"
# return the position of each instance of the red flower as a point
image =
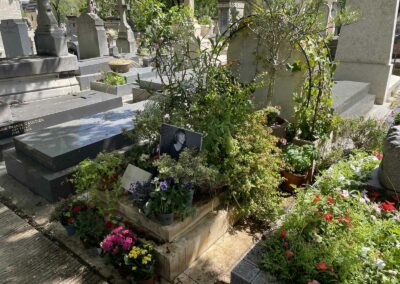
(330, 200)
(316, 198)
(374, 195)
(70, 220)
(289, 254)
(388, 206)
(347, 218)
(108, 225)
(328, 217)
(321, 266)
(340, 220)
(76, 209)
(379, 156)
(283, 233)
(396, 197)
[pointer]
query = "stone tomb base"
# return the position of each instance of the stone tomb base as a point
(184, 241)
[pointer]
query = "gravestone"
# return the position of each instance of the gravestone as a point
(229, 12)
(91, 36)
(49, 38)
(389, 173)
(133, 175)
(126, 39)
(15, 38)
(8, 10)
(365, 47)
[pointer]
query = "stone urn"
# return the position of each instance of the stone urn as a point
(120, 65)
(389, 169)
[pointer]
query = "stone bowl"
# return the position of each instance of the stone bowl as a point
(120, 65)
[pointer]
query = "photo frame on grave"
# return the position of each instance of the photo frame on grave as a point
(174, 139)
(133, 175)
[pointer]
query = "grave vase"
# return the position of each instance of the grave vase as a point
(165, 219)
(70, 229)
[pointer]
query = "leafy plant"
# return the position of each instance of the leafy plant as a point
(205, 20)
(68, 210)
(396, 120)
(271, 114)
(191, 168)
(366, 134)
(90, 227)
(114, 79)
(141, 261)
(168, 197)
(299, 159)
(100, 178)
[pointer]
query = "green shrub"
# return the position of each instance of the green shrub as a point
(90, 227)
(205, 20)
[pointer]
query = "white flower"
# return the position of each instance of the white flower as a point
(393, 272)
(380, 264)
(345, 193)
(365, 251)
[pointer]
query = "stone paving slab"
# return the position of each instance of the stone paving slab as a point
(29, 257)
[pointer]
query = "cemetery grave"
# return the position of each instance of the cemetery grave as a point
(168, 131)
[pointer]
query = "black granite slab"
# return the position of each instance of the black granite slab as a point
(49, 184)
(64, 145)
(40, 114)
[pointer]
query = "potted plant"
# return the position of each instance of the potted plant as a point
(90, 227)
(275, 122)
(68, 213)
(168, 200)
(141, 261)
(299, 164)
(116, 244)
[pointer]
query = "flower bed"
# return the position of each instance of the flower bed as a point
(339, 231)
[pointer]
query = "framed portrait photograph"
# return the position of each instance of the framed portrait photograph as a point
(174, 139)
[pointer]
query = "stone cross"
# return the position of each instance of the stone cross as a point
(126, 39)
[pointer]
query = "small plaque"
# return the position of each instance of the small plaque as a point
(134, 174)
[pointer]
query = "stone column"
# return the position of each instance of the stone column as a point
(126, 40)
(365, 47)
(49, 38)
(15, 38)
(92, 36)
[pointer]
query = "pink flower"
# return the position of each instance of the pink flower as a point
(379, 156)
(115, 250)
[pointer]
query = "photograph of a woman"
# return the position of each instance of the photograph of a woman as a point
(175, 139)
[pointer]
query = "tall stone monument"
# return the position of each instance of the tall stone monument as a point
(16, 39)
(49, 38)
(365, 47)
(9, 10)
(389, 173)
(126, 40)
(92, 36)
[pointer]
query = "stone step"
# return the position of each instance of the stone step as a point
(93, 65)
(361, 108)
(348, 93)
(64, 145)
(84, 80)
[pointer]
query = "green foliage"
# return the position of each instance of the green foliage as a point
(90, 227)
(114, 79)
(148, 123)
(335, 234)
(100, 178)
(313, 106)
(397, 119)
(252, 171)
(64, 8)
(205, 20)
(366, 134)
(299, 159)
(271, 113)
(205, 8)
(191, 168)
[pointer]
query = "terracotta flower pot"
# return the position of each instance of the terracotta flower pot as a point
(295, 179)
(120, 66)
(151, 280)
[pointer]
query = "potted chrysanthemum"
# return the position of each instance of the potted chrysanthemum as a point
(140, 262)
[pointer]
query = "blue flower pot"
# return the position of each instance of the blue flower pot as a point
(190, 200)
(71, 230)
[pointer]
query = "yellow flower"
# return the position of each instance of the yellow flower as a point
(134, 268)
(144, 261)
